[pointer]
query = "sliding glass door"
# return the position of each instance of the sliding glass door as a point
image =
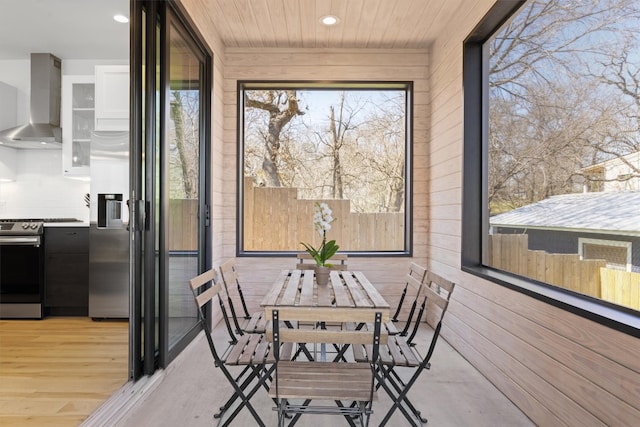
(170, 185)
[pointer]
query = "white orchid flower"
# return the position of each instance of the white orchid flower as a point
(322, 219)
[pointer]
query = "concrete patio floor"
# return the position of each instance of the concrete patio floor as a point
(451, 393)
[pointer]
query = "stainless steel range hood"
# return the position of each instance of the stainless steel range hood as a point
(43, 130)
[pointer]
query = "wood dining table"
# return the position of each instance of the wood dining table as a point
(346, 291)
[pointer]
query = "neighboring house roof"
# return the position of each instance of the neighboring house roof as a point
(633, 158)
(595, 212)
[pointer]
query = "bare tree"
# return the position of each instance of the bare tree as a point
(337, 140)
(547, 119)
(386, 124)
(349, 145)
(282, 107)
(184, 111)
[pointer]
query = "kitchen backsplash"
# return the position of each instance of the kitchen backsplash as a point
(40, 190)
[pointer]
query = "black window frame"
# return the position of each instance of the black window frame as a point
(242, 85)
(475, 218)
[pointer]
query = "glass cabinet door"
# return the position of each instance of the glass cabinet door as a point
(78, 106)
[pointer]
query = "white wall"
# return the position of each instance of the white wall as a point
(40, 190)
(17, 74)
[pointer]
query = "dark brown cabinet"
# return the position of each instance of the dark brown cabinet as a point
(66, 271)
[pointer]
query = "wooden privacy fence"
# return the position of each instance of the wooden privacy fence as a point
(183, 224)
(510, 252)
(276, 220)
(621, 287)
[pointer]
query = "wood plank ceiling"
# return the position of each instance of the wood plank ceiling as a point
(384, 24)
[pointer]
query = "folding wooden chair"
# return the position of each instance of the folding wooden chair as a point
(400, 351)
(342, 382)
(304, 261)
(254, 323)
(414, 281)
(253, 351)
(415, 277)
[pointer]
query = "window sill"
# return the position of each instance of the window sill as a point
(613, 316)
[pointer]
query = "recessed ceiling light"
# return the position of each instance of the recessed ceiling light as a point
(120, 18)
(329, 20)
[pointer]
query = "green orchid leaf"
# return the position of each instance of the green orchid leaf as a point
(323, 253)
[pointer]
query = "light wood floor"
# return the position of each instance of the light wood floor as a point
(57, 371)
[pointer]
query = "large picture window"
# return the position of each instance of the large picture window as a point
(344, 144)
(552, 114)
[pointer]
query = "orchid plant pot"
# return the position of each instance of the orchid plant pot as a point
(322, 275)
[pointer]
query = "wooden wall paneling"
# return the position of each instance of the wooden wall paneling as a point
(328, 72)
(368, 58)
(594, 337)
(600, 370)
(517, 394)
(525, 341)
(463, 322)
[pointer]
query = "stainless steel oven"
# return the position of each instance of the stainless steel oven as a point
(21, 269)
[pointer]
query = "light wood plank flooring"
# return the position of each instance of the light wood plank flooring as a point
(57, 371)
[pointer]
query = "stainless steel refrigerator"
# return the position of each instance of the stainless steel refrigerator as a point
(108, 230)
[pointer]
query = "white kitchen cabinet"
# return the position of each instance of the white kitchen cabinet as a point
(8, 106)
(112, 98)
(78, 118)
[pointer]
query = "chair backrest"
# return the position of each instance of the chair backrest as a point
(415, 275)
(205, 288)
(304, 261)
(432, 297)
(228, 272)
(315, 315)
(202, 292)
(414, 281)
(438, 292)
(230, 278)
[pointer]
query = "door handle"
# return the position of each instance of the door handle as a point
(140, 209)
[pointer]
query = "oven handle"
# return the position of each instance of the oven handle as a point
(20, 240)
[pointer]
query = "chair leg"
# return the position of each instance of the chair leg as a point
(409, 319)
(281, 413)
(239, 392)
(416, 324)
(244, 304)
(401, 399)
(228, 324)
(235, 318)
(246, 397)
(295, 419)
(254, 372)
(392, 377)
(404, 294)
